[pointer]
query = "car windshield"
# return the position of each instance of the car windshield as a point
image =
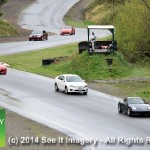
(136, 101)
(37, 32)
(73, 79)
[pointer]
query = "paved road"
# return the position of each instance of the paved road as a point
(47, 15)
(92, 116)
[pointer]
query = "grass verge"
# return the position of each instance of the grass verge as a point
(93, 67)
(78, 24)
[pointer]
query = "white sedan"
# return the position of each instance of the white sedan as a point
(70, 83)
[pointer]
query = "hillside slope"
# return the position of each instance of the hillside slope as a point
(132, 23)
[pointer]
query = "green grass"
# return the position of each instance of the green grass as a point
(6, 29)
(88, 67)
(141, 89)
(73, 23)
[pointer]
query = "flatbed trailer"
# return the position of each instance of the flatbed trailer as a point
(100, 46)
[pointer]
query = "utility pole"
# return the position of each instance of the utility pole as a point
(113, 11)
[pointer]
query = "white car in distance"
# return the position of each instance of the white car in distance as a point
(70, 83)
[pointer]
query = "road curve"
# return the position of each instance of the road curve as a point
(48, 15)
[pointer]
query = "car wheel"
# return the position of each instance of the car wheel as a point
(66, 90)
(56, 87)
(129, 112)
(119, 109)
(85, 93)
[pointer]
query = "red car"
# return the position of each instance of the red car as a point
(67, 30)
(3, 69)
(38, 35)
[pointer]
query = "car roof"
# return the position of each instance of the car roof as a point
(133, 97)
(69, 75)
(37, 31)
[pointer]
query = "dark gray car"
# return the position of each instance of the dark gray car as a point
(134, 106)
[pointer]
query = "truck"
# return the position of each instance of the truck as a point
(99, 46)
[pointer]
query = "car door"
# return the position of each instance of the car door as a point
(125, 105)
(61, 82)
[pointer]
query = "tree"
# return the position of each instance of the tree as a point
(2, 2)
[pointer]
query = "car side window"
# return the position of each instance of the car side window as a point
(125, 101)
(61, 78)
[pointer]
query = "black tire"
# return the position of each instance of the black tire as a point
(80, 51)
(66, 90)
(119, 109)
(129, 112)
(85, 93)
(42, 38)
(56, 87)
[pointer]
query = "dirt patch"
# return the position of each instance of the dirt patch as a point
(12, 11)
(76, 12)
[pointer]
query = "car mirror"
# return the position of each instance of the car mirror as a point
(147, 102)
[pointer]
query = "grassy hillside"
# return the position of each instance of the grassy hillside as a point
(131, 19)
(132, 23)
(6, 29)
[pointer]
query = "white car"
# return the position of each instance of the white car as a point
(70, 83)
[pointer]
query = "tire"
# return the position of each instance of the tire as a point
(85, 93)
(56, 87)
(80, 51)
(66, 90)
(42, 38)
(119, 109)
(129, 112)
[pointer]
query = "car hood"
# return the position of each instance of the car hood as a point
(140, 106)
(35, 34)
(76, 83)
(2, 66)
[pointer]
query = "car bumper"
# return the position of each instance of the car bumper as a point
(141, 113)
(35, 38)
(78, 90)
(4, 71)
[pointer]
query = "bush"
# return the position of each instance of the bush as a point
(6, 29)
(132, 31)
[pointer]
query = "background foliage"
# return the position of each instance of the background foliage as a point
(131, 19)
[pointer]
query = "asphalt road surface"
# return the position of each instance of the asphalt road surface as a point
(47, 15)
(92, 116)
(80, 116)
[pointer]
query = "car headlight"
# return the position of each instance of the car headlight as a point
(133, 108)
(85, 86)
